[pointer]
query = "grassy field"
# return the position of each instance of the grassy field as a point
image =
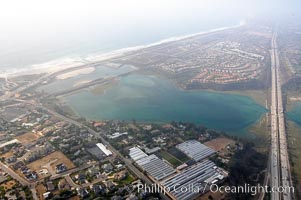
(294, 144)
(170, 158)
(262, 131)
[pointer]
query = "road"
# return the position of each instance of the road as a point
(21, 180)
(127, 162)
(279, 161)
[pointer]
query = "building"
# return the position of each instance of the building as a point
(196, 176)
(195, 150)
(156, 167)
(60, 168)
(151, 151)
(116, 135)
(104, 149)
(136, 153)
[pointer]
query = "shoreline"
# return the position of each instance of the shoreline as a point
(74, 73)
(69, 62)
(295, 99)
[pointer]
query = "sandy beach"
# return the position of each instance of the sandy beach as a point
(295, 98)
(69, 62)
(81, 83)
(74, 73)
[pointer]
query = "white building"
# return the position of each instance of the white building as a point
(104, 149)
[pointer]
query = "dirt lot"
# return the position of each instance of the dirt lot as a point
(219, 143)
(210, 195)
(9, 184)
(40, 190)
(27, 138)
(54, 158)
(7, 155)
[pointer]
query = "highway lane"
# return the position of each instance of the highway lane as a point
(274, 159)
(284, 159)
(279, 163)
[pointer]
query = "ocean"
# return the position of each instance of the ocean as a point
(60, 48)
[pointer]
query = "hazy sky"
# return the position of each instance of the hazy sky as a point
(37, 23)
(30, 16)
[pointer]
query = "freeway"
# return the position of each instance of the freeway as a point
(274, 159)
(279, 161)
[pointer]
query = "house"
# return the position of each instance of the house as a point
(60, 168)
(50, 186)
(110, 185)
(94, 171)
(132, 197)
(47, 195)
(81, 178)
(82, 192)
(63, 185)
(121, 175)
(31, 176)
(108, 168)
(116, 198)
(11, 159)
(97, 189)
(120, 166)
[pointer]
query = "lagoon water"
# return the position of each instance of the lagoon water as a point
(153, 99)
(295, 113)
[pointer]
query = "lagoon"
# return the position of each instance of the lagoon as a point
(295, 113)
(148, 98)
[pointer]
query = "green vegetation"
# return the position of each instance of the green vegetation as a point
(262, 133)
(246, 167)
(294, 143)
(127, 180)
(178, 154)
(170, 158)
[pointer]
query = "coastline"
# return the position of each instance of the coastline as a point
(69, 62)
(75, 73)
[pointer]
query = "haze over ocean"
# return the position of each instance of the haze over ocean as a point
(97, 40)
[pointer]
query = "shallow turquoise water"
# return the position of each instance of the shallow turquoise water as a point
(151, 99)
(295, 113)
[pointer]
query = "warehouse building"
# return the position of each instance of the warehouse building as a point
(195, 150)
(136, 153)
(192, 181)
(104, 149)
(156, 167)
